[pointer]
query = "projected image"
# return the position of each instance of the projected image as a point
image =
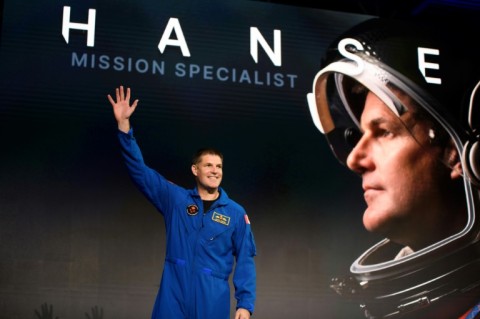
(396, 102)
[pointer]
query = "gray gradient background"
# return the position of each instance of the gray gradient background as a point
(74, 231)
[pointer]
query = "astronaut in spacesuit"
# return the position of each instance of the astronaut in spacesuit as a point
(399, 105)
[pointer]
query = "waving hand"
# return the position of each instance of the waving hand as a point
(122, 108)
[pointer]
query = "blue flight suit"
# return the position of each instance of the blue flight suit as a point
(201, 247)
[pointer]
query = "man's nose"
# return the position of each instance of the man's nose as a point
(357, 160)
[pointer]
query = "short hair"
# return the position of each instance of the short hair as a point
(204, 151)
(440, 138)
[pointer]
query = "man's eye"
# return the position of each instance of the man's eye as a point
(384, 133)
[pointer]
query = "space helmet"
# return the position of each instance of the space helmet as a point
(438, 69)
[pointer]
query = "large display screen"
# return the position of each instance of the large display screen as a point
(77, 237)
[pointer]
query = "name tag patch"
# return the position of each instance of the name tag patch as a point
(222, 219)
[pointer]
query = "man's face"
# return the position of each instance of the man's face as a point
(400, 178)
(209, 171)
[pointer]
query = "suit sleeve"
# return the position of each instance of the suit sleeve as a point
(153, 185)
(244, 278)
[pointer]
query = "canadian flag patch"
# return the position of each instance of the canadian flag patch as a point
(247, 221)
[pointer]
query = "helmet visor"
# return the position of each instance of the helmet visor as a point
(338, 105)
(340, 91)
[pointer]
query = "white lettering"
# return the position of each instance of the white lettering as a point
(423, 65)
(208, 72)
(194, 70)
(79, 62)
(275, 55)
(342, 45)
(174, 25)
(221, 71)
(89, 27)
(292, 78)
(180, 70)
(117, 63)
(104, 62)
(243, 76)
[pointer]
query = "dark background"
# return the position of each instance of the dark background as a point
(76, 234)
(448, 11)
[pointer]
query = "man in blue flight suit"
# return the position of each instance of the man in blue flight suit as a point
(206, 233)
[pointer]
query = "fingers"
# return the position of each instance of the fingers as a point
(122, 93)
(242, 314)
(128, 94)
(120, 96)
(111, 100)
(134, 105)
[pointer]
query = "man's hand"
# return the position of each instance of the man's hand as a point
(122, 108)
(96, 314)
(46, 313)
(242, 314)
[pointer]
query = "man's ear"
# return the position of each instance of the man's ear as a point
(194, 170)
(453, 160)
(457, 171)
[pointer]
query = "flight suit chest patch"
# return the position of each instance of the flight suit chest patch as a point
(222, 219)
(192, 210)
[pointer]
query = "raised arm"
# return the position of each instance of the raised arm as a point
(122, 108)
